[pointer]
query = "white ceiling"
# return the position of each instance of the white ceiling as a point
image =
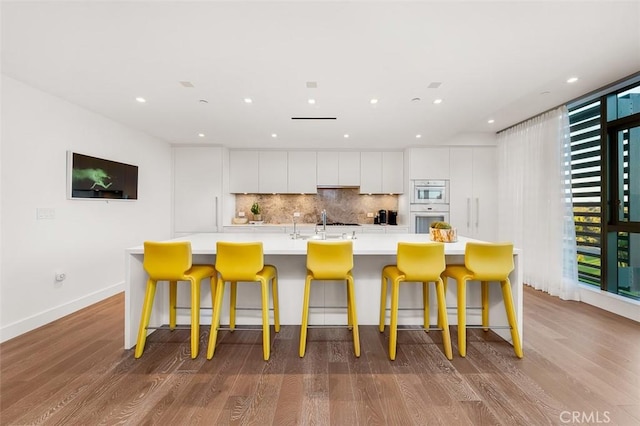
(502, 60)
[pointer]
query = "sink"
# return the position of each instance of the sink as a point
(326, 237)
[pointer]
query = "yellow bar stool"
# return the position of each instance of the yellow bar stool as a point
(330, 260)
(244, 261)
(416, 262)
(171, 261)
(485, 262)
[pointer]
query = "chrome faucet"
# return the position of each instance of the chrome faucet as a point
(295, 231)
(323, 215)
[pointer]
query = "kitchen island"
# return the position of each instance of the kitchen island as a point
(371, 253)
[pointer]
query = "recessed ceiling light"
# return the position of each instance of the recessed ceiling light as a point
(434, 85)
(311, 101)
(141, 99)
(201, 135)
(572, 80)
(203, 101)
(437, 101)
(415, 100)
(373, 101)
(346, 135)
(491, 121)
(418, 136)
(273, 135)
(248, 100)
(186, 84)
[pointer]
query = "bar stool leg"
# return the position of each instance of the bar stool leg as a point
(215, 320)
(393, 327)
(305, 316)
(383, 301)
(484, 288)
(511, 316)
(442, 319)
(146, 315)
(276, 304)
(425, 306)
(232, 305)
(195, 317)
(462, 318)
(354, 316)
(266, 341)
(173, 300)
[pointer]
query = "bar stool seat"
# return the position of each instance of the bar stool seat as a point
(244, 261)
(171, 261)
(485, 262)
(416, 262)
(330, 260)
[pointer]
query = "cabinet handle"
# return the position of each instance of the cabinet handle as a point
(468, 213)
(477, 213)
(216, 212)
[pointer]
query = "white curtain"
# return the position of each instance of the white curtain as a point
(535, 210)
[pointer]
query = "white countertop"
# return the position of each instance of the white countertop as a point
(283, 244)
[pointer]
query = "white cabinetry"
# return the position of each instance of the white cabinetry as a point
(429, 163)
(473, 192)
(338, 168)
(381, 172)
(197, 187)
(302, 172)
(244, 171)
(272, 172)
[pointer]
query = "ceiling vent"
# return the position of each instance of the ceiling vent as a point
(313, 118)
(434, 85)
(312, 84)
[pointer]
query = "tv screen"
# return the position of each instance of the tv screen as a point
(91, 177)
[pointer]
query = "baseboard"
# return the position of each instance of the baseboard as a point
(38, 320)
(623, 306)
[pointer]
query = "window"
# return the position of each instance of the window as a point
(604, 178)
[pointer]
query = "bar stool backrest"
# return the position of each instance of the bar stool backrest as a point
(329, 259)
(421, 261)
(489, 261)
(239, 261)
(168, 261)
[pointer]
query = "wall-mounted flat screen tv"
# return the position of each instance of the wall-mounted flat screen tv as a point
(97, 178)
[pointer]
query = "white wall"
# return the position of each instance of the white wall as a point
(87, 238)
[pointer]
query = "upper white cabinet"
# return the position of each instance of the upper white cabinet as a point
(302, 172)
(244, 171)
(339, 168)
(381, 172)
(429, 163)
(473, 192)
(272, 172)
(197, 188)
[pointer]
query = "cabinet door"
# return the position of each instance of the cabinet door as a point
(393, 172)
(349, 168)
(328, 168)
(429, 163)
(197, 186)
(461, 190)
(302, 172)
(485, 193)
(243, 172)
(272, 172)
(371, 172)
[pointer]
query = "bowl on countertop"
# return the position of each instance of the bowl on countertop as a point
(239, 220)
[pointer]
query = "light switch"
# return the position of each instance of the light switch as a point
(45, 213)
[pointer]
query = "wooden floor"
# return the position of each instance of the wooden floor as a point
(581, 366)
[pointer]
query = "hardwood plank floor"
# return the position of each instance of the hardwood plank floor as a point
(581, 366)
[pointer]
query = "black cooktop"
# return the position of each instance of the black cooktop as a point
(340, 224)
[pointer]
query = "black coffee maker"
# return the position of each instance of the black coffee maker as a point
(392, 217)
(382, 217)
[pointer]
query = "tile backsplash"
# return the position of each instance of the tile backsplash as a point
(342, 205)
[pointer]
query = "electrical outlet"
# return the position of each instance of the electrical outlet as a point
(296, 214)
(369, 214)
(45, 213)
(240, 214)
